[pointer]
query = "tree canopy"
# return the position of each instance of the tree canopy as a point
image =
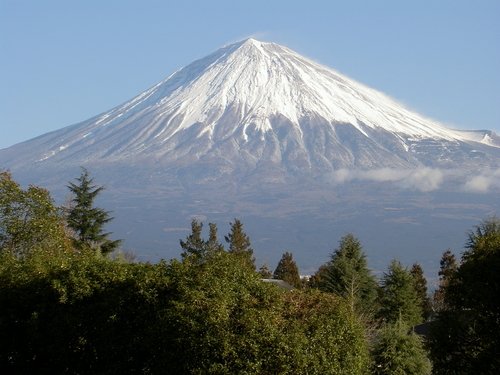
(29, 220)
(399, 351)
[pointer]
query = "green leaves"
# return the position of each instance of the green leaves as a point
(398, 351)
(29, 221)
(287, 270)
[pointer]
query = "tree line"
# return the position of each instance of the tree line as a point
(71, 303)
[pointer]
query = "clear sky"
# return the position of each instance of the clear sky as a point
(62, 61)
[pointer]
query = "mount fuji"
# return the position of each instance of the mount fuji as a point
(257, 131)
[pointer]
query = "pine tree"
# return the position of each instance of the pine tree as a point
(287, 270)
(421, 287)
(347, 275)
(88, 221)
(399, 297)
(239, 243)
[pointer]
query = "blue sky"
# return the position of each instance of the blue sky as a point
(62, 62)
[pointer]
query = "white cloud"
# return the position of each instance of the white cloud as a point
(483, 182)
(423, 179)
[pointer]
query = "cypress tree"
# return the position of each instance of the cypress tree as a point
(88, 221)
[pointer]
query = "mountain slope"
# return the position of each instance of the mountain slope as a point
(299, 152)
(251, 105)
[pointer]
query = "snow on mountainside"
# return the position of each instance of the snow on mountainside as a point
(299, 152)
(253, 103)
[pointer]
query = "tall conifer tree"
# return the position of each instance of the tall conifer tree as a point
(287, 270)
(239, 243)
(399, 296)
(347, 275)
(86, 220)
(448, 267)
(421, 287)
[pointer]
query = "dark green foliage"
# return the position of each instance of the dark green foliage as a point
(399, 351)
(239, 243)
(81, 314)
(225, 320)
(194, 245)
(421, 287)
(347, 275)
(287, 270)
(29, 221)
(465, 338)
(86, 220)
(399, 298)
(448, 267)
(88, 314)
(323, 335)
(213, 245)
(195, 248)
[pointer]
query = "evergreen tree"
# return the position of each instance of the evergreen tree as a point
(287, 270)
(195, 247)
(347, 275)
(421, 287)
(239, 243)
(399, 297)
(465, 338)
(86, 220)
(448, 267)
(213, 245)
(399, 351)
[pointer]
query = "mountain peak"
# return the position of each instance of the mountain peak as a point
(264, 103)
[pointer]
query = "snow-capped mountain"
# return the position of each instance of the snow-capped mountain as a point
(254, 104)
(299, 152)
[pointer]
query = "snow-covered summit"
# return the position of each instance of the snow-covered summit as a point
(260, 102)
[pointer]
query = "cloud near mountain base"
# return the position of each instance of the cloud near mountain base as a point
(423, 179)
(483, 182)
